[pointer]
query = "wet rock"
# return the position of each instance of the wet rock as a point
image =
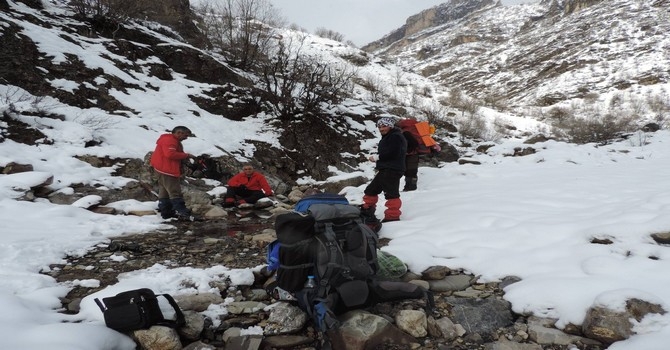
(195, 324)
(245, 307)
(286, 341)
(158, 338)
(609, 326)
(361, 330)
(15, 168)
(413, 322)
(435, 273)
(197, 302)
(245, 342)
(284, 319)
(540, 332)
(481, 316)
(451, 283)
(661, 237)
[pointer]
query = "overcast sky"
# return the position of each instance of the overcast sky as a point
(361, 21)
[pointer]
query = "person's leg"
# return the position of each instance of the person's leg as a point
(391, 183)
(372, 191)
(229, 197)
(173, 187)
(164, 203)
(253, 196)
(411, 174)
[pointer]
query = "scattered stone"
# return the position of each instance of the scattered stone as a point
(451, 283)
(197, 302)
(157, 338)
(435, 273)
(661, 237)
(609, 326)
(481, 316)
(285, 318)
(286, 341)
(413, 322)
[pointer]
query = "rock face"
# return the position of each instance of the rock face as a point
(430, 18)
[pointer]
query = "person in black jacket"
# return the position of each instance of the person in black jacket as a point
(390, 168)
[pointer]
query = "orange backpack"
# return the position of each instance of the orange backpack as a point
(421, 131)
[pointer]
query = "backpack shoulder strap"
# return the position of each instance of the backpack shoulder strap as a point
(179, 315)
(332, 248)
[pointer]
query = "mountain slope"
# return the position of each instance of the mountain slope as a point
(547, 53)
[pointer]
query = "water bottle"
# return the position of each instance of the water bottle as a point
(310, 283)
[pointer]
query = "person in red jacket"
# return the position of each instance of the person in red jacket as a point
(246, 188)
(166, 161)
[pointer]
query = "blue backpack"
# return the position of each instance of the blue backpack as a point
(319, 198)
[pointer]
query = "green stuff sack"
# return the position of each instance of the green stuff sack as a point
(390, 266)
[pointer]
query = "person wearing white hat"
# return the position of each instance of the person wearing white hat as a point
(390, 166)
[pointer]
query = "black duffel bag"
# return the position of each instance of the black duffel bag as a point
(138, 309)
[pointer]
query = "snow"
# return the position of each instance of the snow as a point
(533, 217)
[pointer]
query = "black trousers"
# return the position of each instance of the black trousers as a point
(245, 194)
(387, 181)
(412, 165)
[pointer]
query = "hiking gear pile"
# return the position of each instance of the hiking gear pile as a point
(329, 240)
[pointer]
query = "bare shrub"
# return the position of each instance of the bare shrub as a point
(329, 34)
(495, 100)
(601, 129)
(560, 114)
(472, 126)
(16, 100)
(241, 30)
(455, 97)
(373, 85)
(300, 83)
(96, 123)
(115, 10)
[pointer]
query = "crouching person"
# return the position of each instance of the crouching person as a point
(246, 188)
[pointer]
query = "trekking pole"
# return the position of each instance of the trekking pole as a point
(147, 187)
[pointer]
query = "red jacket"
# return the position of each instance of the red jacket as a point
(168, 155)
(255, 182)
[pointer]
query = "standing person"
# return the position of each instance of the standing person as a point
(390, 168)
(246, 188)
(411, 162)
(166, 161)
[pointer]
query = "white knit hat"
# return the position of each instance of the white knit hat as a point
(386, 121)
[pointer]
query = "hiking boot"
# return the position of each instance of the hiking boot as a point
(165, 208)
(410, 184)
(390, 220)
(368, 212)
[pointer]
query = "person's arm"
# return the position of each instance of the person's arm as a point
(236, 181)
(171, 151)
(265, 185)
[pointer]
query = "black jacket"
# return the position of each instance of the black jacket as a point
(392, 149)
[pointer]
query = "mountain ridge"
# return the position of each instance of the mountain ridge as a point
(541, 54)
